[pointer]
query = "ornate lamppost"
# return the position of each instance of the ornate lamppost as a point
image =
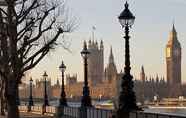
(127, 98)
(31, 103)
(86, 99)
(46, 103)
(63, 100)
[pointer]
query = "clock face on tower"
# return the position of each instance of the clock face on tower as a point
(168, 52)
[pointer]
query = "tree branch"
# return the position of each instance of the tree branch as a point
(25, 13)
(41, 52)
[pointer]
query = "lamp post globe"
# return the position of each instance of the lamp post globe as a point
(63, 101)
(62, 67)
(31, 103)
(85, 53)
(86, 99)
(127, 98)
(46, 103)
(126, 18)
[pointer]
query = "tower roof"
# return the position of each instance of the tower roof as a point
(173, 41)
(173, 33)
(173, 28)
(142, 69)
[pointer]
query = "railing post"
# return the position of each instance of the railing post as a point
(83, 112)
(43, 109)
(156, 115)
(28, 108)
(60, 111)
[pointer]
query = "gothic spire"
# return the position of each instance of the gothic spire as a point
(142, 69)
(111, 57)
(142, 74)
(101, 45)
(173, 40)
(173, 28)
(57, 83)
(157, 78)
(173, 33)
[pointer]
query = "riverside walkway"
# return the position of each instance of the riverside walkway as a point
(89, 112)
(30, 115)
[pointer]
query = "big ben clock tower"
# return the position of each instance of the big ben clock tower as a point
(173, 62)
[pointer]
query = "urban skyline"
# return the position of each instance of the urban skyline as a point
(92, 58)
(147, 38)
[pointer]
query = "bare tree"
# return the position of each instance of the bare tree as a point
(3, 37)
(29, 30)
(3, 102)
(2, 98)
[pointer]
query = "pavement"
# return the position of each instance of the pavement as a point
(30, 115)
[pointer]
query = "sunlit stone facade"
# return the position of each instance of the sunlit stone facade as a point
(173, 63)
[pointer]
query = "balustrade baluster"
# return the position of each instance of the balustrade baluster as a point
(96, 113)
(101, 113)
(156, 115)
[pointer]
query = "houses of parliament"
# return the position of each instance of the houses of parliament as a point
(105, 82)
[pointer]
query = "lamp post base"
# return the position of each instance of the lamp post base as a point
(63, 102)
(127, 98)
(31, 103)
(86, 99)
(46, 103)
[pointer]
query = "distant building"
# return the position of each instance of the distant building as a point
(38, 90)
(96, 62)
(102, 84)
(110, 70)
(106, 83)
(173, 63)
(70, 80)
(146, 88)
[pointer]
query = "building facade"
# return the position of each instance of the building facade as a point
(110, 70)
(173, 63)
(95, 62)
(106, 82)
(146, 88)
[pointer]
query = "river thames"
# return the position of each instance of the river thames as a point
(175, 111)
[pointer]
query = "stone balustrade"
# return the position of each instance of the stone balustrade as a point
(78, 112)
(71, 111)
(154, 115)
(50, 110)
(88, 113)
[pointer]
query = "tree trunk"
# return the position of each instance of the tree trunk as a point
(2, 105)
(2, 99)
(13, 111)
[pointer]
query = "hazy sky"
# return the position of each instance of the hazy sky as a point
(149, 35)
